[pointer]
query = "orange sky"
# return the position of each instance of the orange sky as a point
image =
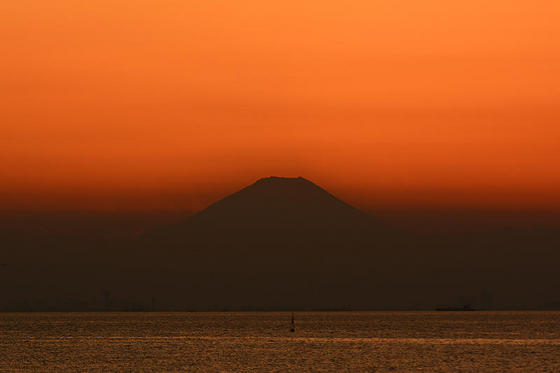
(135, 104)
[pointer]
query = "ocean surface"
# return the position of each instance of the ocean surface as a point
(262, 341)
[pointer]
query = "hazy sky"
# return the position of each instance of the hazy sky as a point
(135, 104)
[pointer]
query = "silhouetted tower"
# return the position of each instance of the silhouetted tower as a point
(293, 327)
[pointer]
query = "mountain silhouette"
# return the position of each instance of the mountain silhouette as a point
(273, 213)
(280, 201)
(281, 243)
(276, 234)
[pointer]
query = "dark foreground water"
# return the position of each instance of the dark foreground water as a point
(323, 341)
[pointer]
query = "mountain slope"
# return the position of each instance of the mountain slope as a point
(277, 200)
(273, 213)
(277, 242)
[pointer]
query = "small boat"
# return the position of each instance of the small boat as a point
(465, 307)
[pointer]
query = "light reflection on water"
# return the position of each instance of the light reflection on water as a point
(325, 341)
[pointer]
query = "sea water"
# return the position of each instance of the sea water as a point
(262, 341)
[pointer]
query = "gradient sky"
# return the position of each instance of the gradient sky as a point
(163, 105)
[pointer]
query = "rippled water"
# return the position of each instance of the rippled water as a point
(323, 341)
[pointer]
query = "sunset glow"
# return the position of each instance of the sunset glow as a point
(165, 105)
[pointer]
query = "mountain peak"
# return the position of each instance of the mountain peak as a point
(295, 186)
(275, 199)
(282, 179)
